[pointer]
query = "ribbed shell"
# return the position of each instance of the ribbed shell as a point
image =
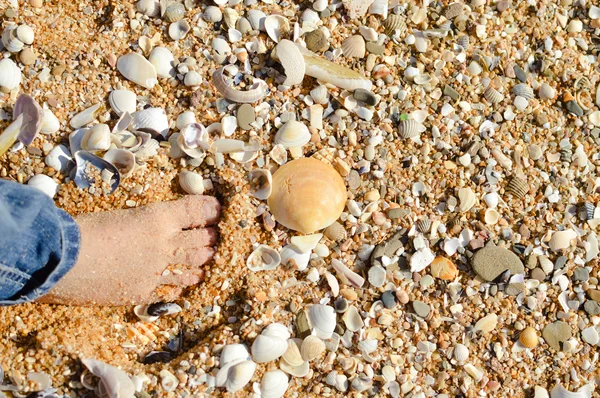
(589, 209)
(523, 90)
(529, 337)
(463, 41)
(174, 12)
(408, 128)
(354, 47)
(424, 225)
(453, 10)
(394, 22)
(492, 95)
(336, 232)
(517, 187)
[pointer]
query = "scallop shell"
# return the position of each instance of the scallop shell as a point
(192, 183)
(322, 319)
(86, 116)
(162, 60)
(461, 352)
(529, 337)
(83, 159)
(546, 264)
(354, 47)
(122, 101)
(151, 120)
(147, 150)
(453, 10)
(293, 134)
(517, 187)
(59, 158)
(50, 124)
(178, 30)
(312, 348)
(267, 348)
(336, 232)
(376, 276)
(174, 12)
(277, 26)
(409, 128)
(10, 74)
(261, 182)
(43, 183)
(150, 8)
(292, 355)
(523, 90)
(97, 138)
(394, 23)
(137, 69)
(113, 381)
(293, 257)
(424, 225)
(492, 95)
(263, 258)
(274, 384)
(122, 159)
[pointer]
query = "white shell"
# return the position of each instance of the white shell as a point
(306, 243)
(86, 116)
(25, 34)
(192, 183)
(312, 347)
(561, 392)
(292, 355)
(232, 353)
(97, 138)
(352, 319)
(491, 217)
(122, 159)
(278, 154)
(492, 95)
(184, 119)
(276, 330)
(212, 14)
(237, 375)
(50, 124)
(113, 381)
(276, 27)
(255, 93)
(10, 74)
(320, 95)
(274, 384)
(293, 134)
(147, 150)
(168, 380)
(354, 47)
(263, 258)
(137, 69)
(152, 120)
(256, 19)
(467, 199)
(292, 60)
(261, 182)
(10, 40)
(523, 90)
(122, 101)
(162, 60)
(178, 30)
(322, 319)
(546, 264)
(377, 275)
(296, 371)
(347, 274)
(461, 352)
(293, 257)
(43, 183)
(491, 199)
(267, 348)
(192, 79)
(150, 8)
(59, 158)
(228, 125)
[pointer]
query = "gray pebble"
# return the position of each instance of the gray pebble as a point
(591, 307)
(389, 247)
(245, 116)
(538, 274)
(514, 289)
(557, 333)
(520, 74)
(532, 261)
(560, 262)
(581, 274)
(375, 48)
(360, 94)
(490, 262)
(574, 108)
(396, 213)
(450, 92)
(389, 299)
(421, 309)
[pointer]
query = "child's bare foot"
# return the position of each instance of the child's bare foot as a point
(124, 253)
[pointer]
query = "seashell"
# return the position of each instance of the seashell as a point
(361, 383)
(529, 337)
(424, 225)
(162, 309)
(263, 258)
(293, 134)
(354, 47)
(352, 319)
(561, 392)
(278, 154)
(274, 384)
(523, 90)
(192, 78)
(243, 25)
(192, 183)
(463, 41)
(290, 57)
(394, 24)
(178, 30)
(174, 12)
(260, 183)
(122, 159)
(59, 158)
(235, 376)
(168, 380)
(163, 61)
(267, 349)
(312, 348)
(83, 160)
(546, 264)
(122, 101)
(255, 93)
(212, 14)
(234, 35)
(10, 74)
(229, 125)
(230, 17)
(475, 373)
(588, 210)
(185, 119)
(486, 324)
(491, 217)
(377, 275)
(96, 138)
(137, 69)
(467, 199)
(50, 123)
(312, 197)
(461, 352)
(151, 120)
(296, 371)
(113, 381)
(491, 199)
(234, 353)
(276, 330)
(224, 145)
(25, 34)
(147, 150)
(322, 319)
(409, 128)
(492, 95)
(347, 274)
(256, 19)
(306, 243)
(10, 40)
(336, 232)
(276, 27)
(292, 355)
(453, 10)
(43, 183)
(150, 8)
(517, 187)
(86, 116)
(293, 257)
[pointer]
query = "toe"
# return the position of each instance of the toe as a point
(194, 256)
(187, 278)
(195, 238)
(196, 211)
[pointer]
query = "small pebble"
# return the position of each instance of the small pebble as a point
(421, 309)
(389, 299)
(245, 116)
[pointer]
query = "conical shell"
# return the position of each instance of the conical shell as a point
(274, 384)
(277, 27)
(492, 95)
(394, 23)
(293, 134)
(162, 60)
(409, 128)
(523, 90)
(261, 183)
(191, 182)
(137, 69)
(263, 258)
(354, 47)
(267, 349)
(122, 101)
(312, 348)
(10, 74)
(517, 187)
(122, 159)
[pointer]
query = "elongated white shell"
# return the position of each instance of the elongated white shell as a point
(152, 120)
(122, 101)
(10, 74)
(137, 69)
(86, 116)
(114, 383)
(50, 124)
(192, 183)
(261, 182)
(255, 93)
(293, 134)
(122, 159)
(263, 258)
(274, 384)
(267, 348)
(43, 183)
(322, 319)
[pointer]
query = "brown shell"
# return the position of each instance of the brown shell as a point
(453, 10)
(529, 337)
(394, 22)
(336, 232)
(463, 41)
(424, 225)
(517, 187)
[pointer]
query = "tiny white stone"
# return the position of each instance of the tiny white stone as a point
(521, 103)
(590, 335)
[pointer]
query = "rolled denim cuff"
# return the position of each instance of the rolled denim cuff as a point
(71, 242)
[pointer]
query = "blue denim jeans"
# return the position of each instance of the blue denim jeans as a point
(39, 243)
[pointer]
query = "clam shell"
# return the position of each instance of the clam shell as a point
(122, 159)
(352, 319)
(523, 90)
(243, 25)
(296, 371)
(122, 101)
(409, 128)
(232, 353)
(453, 10)
(25, 34)
(292, 355)
(236, 376)
(162, 60)
(97, 138)
(377, 275)
(10, 74)
(212, 14)
(43, 183)
(293, 257)
(293, 134)
(491, 217)
(276, 330)
(467, 199)
(59, 158)
(277, 26)
(174, 12)
(529, 337)
(263, 258)
(178, 30)
(192, 79)
(137, 69)
(86, 116)
(192, 183)
(229, 125)
(517, 187)
(492, 95)
(394, 23)
(267, 349)
(150, 8)
(546, 264)
(354, 47)
(274, 384)
(185, 119)
(256, 19)
(322, 319)
(110, 174)
(151, 120)
(260, 183)
(113, 381)
(50, 123)
(312, 348)
(10, 40)
(461, 352)
(148, 149)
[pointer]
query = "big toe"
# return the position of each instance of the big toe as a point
(195, 211)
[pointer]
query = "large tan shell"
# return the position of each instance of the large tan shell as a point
(492, 95)
(394, 22)
(354, 47)
(517, 187)
(308, 195)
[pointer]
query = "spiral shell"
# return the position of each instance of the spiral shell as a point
(517, 187)
(354, 47)
(453, 10)
(394, 23)
(409, 128)
(523, 90)
(492, 95)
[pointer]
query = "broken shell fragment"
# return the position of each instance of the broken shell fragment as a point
(137, 69)
(96, 138)
(50, 123)
(261, 183)
(255, 93)
(306, 243)
(290, 57)
(86, 116)
(122, 159)
(113, 381)
(276, 27)
(293, 257)
(59, 158)
(263, 258)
